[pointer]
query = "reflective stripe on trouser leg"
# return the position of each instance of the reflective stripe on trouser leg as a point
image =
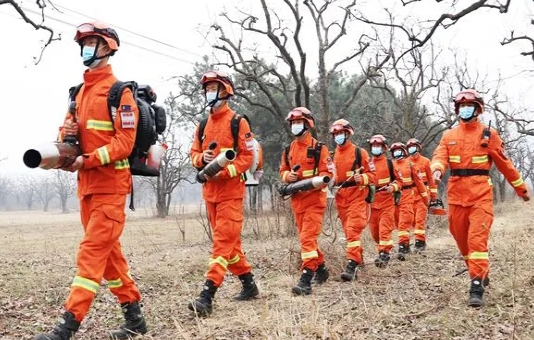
(226, 220)
(117, 274)
(459, 228)
(480, 221)
(103, 219)
(386, 224)
(309, 224)
(405, 221)
(356, 216)
(374, 229)
(421, 213)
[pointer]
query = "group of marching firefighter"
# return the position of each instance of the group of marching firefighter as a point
(398, 189)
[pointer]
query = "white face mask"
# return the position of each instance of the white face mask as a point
(376, 150)
(211, 97)
(466, 112)
(412, 150)
(87, 54)
(297, 129)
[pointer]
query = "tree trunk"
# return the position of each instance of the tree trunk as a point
(64, 208)
(260, 198)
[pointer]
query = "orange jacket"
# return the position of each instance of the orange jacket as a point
(460, 149)
(298, 154)
(105, 145)
(344, 158)
(383, 199)
(229, 184)
(409, 177)
(423, 164)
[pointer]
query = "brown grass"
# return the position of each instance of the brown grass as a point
(417, 299)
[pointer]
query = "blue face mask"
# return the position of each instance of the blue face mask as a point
(466, 112)
(397, 153)
(210, 97)
(297, 129)
(88, 52)
(412, 150)
(340, 139)
(376, 150)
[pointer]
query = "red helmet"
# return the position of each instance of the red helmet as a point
(341, 125)
(378, 139)
(414, 142)
(219, 77)
(301, 113)
(98, 29)
(399, 146)
(468, 96)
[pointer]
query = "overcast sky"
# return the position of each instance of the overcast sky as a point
(34, 97)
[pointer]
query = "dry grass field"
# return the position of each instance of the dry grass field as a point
(421, 298)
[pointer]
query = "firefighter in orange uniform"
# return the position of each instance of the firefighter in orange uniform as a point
(419, 208)
(223, 193)
(104, 181)
(404, 212)
(382, 221)
(469, 150)
(309, 206)
(353, 175)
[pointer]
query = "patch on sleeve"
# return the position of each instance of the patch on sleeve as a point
(372, 167)
(127, 118)
(126, 108)
(248, 134)
(249, 144)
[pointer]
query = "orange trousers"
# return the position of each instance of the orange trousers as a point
(309, 226)
(404, 216)
(470, 227)
(354, 220)
(226, 221)
(421, 212)
(100, 255)
(381, 225)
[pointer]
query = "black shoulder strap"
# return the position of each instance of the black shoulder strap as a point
(115, 94)
(73, 91)
(391, 171)
(201, 128)
(234, 126)
(357, 159)
(317, 155)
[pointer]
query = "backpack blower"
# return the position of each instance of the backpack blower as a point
(437, 208)
(217, 164)
(303, 185)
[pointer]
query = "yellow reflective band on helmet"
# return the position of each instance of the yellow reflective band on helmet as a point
(353, 244)
(518, 182)
(479, 159)
(86, 284)
(103, 154)
(454, 159)
(219, 260)
(100, 125)
(114, 283)
(234, 259)
(309, 255)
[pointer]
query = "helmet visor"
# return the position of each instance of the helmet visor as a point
(214, 76)
(465, 96)
(87, 29)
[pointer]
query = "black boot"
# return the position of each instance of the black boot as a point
(419, 246)
(202, 305)
(250, 289)
(321, 275)
(304, 285)
(350, 271)
(382, 260)
(134, 322)
(475, 293)
(64, 330)
(404, 249)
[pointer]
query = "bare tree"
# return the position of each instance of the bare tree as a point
(41, 4)
(175, 165)
(283, 91)
(26, 190)
(65, 185)
(44, 189)
(525, 37)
